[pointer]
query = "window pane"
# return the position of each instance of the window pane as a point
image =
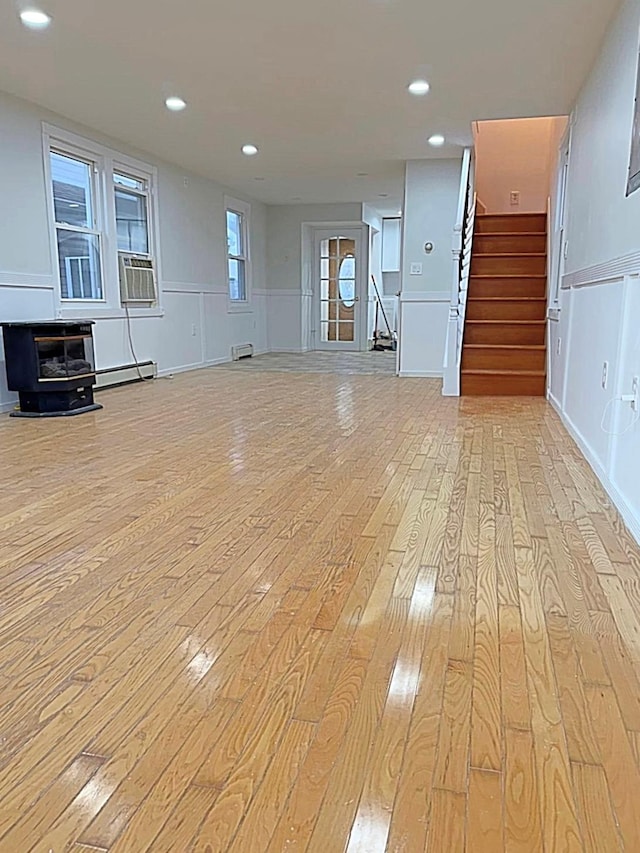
(71, 181)
(237, 286)
(79, 254)
(234, 233)
(131, 222)
(129, 183)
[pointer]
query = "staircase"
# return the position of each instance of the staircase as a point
(504, 350)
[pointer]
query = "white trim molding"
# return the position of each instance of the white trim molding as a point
(425, 296)
(619, 500)
(422, 317)
(611, 270)
(595, 325)
(38, 281)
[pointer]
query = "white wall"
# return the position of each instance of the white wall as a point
(516, 155)
(192, 253)
(599, 312)
(391, 240)
(289, 287)
(430, 207)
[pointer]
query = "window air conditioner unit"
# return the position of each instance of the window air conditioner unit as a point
(137, 279)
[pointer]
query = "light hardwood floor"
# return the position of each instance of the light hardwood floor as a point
(275, 612)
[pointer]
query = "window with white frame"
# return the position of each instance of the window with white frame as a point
(76, 215)
(102, 205)
(132, 213)
(237, 224)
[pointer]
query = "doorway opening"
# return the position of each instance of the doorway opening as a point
(339, 267)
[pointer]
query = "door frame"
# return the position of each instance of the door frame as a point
(557, 253)
(558, 226)
(313, 232)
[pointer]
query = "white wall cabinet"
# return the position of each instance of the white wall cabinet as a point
(391, 245)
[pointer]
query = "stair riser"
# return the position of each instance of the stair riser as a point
(503, 386)
(510, 243)
(507, 287)
(509, 223)
(493, 309)
(490, 359)
(508, 265)
(504, 333)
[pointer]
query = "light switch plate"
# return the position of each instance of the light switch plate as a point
(416, 269)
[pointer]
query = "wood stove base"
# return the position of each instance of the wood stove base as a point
(55, 404)
(92, 408)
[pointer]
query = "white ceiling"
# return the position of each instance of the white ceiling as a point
(319, 87)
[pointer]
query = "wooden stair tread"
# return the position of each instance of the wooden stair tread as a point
(501, 215)
(509, 275)
(510, 255)
(512, 233)
(500, 372)
(505, 346)
(508, 322)
(506, 298)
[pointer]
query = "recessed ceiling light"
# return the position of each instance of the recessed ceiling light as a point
(175, 104)
(383, 195)
(362, 175)
(437, 140)
(419, 87)
(297, 198)
(258, 179)
(35, 19)
(249, 150)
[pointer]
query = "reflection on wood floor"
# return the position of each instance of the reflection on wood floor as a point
(319, 362)
(255, 611)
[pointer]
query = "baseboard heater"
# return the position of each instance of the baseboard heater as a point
(241, 351)
(124, 374)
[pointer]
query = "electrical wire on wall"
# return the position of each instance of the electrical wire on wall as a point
(131, 347)
(626, 398)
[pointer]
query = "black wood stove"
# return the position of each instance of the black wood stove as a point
(51, 366)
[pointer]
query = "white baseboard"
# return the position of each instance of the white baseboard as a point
(8, 406)
(618, 499)
(184, 368)
(420, 374)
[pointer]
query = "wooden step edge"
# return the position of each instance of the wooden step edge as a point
(506, 298)
(507, 276)
(509, 322)
(473, 371)
(535, 347)
(509, 255)
(510, 234)
(496, 215)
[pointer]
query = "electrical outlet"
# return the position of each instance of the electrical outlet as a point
(605, 374)
(635, 390)
(514, 195)
(416, 269)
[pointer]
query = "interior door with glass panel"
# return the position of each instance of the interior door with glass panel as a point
(338, 275)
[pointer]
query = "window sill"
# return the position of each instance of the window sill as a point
(239, 308)
(92, 313)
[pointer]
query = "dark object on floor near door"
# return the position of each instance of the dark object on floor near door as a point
(382, 342)
(51, 366)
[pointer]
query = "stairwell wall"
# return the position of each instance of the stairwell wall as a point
(599, 314)
(430, 206)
